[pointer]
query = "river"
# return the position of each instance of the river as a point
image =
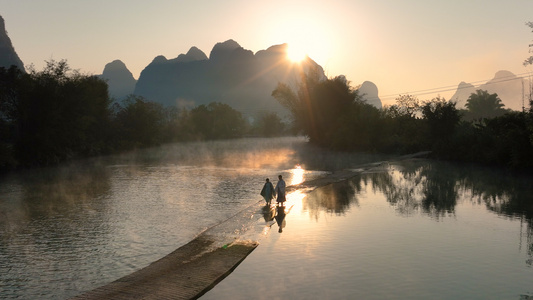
(72, 228)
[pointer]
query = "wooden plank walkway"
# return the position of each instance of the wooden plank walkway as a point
(186, 273)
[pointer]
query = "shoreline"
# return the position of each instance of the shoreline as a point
(196, 267)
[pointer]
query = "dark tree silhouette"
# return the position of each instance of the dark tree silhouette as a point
(481, 105)
(323, 109)
(442, 119)
(217, 121)
(55, 114)
(138, 123)
(269, 125)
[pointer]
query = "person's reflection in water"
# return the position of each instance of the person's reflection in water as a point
(268, 213)
(280, 217)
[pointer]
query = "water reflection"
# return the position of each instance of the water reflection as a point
(435, 189)
(81, 226)
(72, 228)
(415, 186)
(280, 218)
(440, 231)
(268, 213)
(315, 158)
(334, 198)
(297, 175)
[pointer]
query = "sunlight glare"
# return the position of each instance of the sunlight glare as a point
(295, 200)
(297, 27)
(296, 53)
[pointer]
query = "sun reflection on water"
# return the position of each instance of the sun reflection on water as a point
(297, 175)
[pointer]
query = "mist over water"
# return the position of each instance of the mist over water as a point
(75, 227)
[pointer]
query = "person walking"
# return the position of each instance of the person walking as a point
(280, 191)
(268, 191)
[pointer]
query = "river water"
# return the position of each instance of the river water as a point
(73, 228)
(413, 230)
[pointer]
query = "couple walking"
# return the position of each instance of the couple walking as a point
(269, 192)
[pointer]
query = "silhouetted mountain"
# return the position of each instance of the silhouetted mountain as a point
(8, 56)
(231, 75)
(464, 90)
(223, 51)
(192, 55)
(369, 92)
(507, 85)
(119, 79)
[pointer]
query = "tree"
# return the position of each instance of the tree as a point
(54, 114)
(320, 108)
(441, 118)
(138, 123)
(403, 130)
(10, 81)
(511, 134)
(481, 105)
(217, 121)
(268, 125)
(406, 106)
(298, 101)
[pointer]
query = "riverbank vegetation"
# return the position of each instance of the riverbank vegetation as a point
(57, 114)
(335, 116)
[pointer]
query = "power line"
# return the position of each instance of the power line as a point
(453, 87)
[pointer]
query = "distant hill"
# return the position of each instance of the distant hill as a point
(369, 91)
(8, 56)
(119, 79)
(507, 85)
(231, 75)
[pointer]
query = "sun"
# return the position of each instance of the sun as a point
(296, 53)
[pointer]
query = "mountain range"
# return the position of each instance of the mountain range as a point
(230, 74)
(242, 79)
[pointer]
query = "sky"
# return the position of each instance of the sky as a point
(418, 47)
